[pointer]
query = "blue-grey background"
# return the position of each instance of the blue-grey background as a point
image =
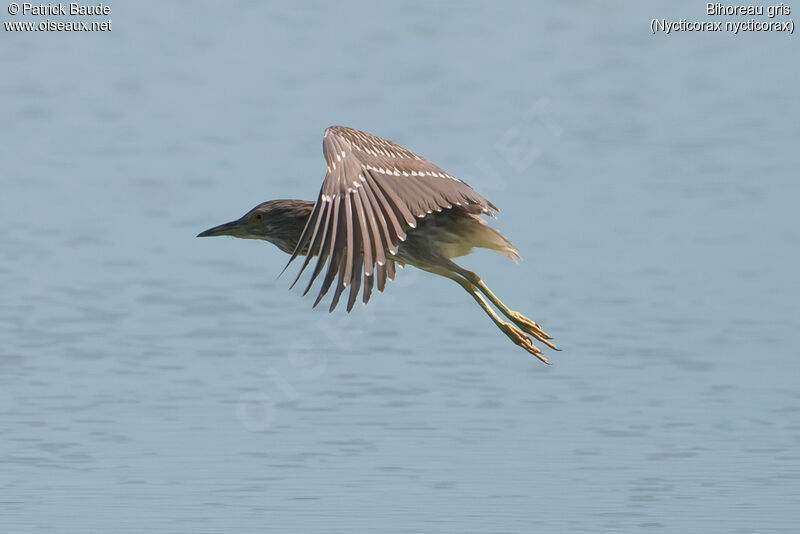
(151, 381)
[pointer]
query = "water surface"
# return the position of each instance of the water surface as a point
(151, 381)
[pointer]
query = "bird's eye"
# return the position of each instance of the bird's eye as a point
(259, 216)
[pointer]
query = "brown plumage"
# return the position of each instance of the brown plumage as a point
(381, 204)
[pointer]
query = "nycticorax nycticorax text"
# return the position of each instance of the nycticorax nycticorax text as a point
(381, 204)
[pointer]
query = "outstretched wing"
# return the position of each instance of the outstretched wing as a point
(374, 190)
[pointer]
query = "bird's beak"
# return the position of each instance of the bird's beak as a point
(229, 228)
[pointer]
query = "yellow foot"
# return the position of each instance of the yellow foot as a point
(531, 328)
(523, 341)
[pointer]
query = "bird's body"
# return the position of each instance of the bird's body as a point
(381, 204)
(444, 234)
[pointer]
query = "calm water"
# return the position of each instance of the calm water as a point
(151, 381)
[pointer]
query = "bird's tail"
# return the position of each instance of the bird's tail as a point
(487, 237)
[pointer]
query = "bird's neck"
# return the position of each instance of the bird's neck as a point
(293, 219)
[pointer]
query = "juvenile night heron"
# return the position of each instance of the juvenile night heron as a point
(381, 204)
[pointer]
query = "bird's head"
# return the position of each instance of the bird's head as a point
(258, 223)
(278, 221)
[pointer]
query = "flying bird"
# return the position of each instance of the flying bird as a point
(381, 205)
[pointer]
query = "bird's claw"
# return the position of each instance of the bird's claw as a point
(523, 341)
(528, 324)
(532, 328)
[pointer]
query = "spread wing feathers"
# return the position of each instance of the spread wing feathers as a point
(373, 192)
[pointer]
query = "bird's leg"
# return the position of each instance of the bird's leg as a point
(508, 329)
(526, 324)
